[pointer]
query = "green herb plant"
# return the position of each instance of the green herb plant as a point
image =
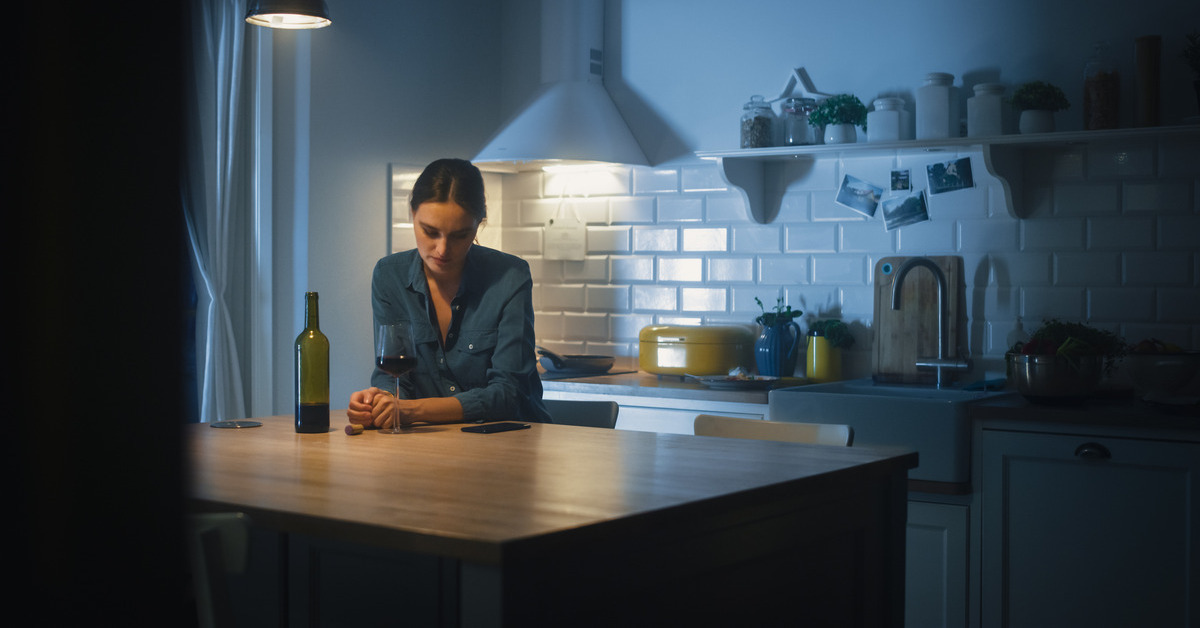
(835, 331)
(782, 313)
(1040, 96)
(839, 109)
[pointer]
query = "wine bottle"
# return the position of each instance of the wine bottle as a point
(312, 372)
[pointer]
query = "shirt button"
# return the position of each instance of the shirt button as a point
(471, 346)
(451, 389)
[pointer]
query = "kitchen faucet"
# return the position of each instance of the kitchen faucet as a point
(941, 362)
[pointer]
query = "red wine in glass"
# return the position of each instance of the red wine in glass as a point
(395, 356)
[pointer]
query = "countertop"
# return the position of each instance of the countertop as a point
(642, 384)
(1118, 412)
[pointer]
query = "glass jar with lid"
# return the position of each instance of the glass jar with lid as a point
(794, 120)
(1101, 90)
(758, 123)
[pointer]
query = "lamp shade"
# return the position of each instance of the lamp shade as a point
(291, 14)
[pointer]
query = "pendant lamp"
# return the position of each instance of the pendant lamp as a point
(290, 14)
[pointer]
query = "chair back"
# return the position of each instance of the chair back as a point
(758, 429)
(584, 413)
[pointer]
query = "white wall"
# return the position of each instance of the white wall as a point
(409, 82)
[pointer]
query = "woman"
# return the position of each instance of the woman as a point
(470, 309)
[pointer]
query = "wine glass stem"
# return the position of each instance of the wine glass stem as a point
(396, 419)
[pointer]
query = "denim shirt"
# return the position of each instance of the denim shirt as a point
(488, 360)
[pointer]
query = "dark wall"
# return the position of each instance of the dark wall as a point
(91, 257)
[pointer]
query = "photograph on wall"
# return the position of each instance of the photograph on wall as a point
(904, 210)
(901, 181)
(950, 176)
(859, 195)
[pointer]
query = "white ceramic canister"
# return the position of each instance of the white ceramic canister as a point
(887, 121)
(937, 107)
(984, 110)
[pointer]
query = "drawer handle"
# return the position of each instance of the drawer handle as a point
(1093, 451)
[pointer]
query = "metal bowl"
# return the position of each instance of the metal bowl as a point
(1162, 373)
(1056, 379)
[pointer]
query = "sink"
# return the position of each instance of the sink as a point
(930, 420)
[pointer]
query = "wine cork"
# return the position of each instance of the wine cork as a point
(354, 428)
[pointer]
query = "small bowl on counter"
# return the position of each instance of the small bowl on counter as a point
(1056, 379)
(1160, 375)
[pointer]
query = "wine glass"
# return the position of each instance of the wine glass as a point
(395, 355)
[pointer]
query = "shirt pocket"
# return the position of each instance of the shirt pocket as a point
(475, 349)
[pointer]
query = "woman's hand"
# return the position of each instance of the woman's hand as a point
(372, 407)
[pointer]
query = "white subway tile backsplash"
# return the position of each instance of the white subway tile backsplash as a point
(626, 269)
(1104, 234)
(608, 239)
(1159, 268)
(651, 180)
(783, 269)
(1087, 269)
(1128, 160)
(1178, 305)
(724, 207)
(660, 298)
(674, 208)
(632, 209)
(811, 238)
(585, 326)
(731, 270)
(613, 298)
(589, 269)
(1043, 303)
(1073, 199)
(1179, 232)
(864, 237)
(988, 235)
(932, 237)
(713, 239)
(1174, 197)
(842, 270)
(701, 178)
(1120, 304)
(604, 181)
(703, 299)
(1120, 233)
(1052, 235)
(651, 240)
(680, 269)
(757, 239)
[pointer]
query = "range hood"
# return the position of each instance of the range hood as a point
(571, 119)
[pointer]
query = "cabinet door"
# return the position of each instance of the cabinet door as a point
(935, 578)
(1089, 531)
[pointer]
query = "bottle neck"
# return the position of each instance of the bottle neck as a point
(312, 319)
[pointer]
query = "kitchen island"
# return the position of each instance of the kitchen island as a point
(564, 525)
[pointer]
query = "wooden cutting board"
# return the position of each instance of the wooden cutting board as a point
(905, 335)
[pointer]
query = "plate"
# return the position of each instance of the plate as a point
(725, 382)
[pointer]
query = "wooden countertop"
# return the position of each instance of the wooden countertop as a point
(439, 490)
(642, 384)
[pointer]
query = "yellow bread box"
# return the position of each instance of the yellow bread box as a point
(695, 349)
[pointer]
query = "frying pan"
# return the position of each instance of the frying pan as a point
(554, 362)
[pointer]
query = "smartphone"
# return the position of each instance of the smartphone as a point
(492, 428)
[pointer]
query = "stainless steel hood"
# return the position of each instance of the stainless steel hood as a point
(571, 119)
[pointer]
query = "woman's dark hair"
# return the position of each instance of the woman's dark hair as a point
(451, 181)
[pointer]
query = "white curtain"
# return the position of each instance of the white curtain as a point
(214, 201)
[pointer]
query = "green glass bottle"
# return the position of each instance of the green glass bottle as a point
(312, 372)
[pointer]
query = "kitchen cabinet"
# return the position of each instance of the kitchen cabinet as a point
(762, 175)
(936, 561)
(1088, 526)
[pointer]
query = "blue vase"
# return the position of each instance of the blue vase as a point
(776, 349)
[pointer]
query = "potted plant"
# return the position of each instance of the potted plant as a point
(826, 339)
(1037, 101)
(775, 350)
(1063, 361)
(1191, 55)
(839, 115)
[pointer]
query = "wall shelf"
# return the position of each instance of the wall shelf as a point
(761, 174)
